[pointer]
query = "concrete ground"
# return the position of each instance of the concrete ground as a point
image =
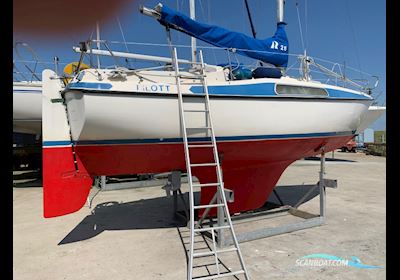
(131, 234)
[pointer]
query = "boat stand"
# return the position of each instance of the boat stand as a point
(155, 180)
(174, 185)
(309, 220)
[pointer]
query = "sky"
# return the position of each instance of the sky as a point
(352, 32)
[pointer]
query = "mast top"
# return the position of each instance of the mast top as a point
(280, 10)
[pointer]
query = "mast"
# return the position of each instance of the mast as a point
(279, 12)
(98, 42)
(193, 40)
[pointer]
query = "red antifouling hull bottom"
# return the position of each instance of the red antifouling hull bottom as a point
(250, 168)
(65, 189)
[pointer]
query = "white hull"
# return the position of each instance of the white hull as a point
(374, 112)
(27, 107)
(129, 108)
(108, 117)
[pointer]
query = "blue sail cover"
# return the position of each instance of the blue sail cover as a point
(272, 50)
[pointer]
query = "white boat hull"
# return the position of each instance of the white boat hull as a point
(374, 113)
(104, 116)
(27, 107)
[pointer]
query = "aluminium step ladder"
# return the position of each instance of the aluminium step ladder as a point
(219, 202)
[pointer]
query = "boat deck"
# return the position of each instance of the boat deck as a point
(133, 235)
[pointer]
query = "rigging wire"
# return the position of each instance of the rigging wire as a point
(354, 37)
(306, 23)
(253, 30)
(123, 38)
(90, 58)
(208, 21)
(208, 10)
(243, 25)
(123, 35)
(300, 27)
(178, 8)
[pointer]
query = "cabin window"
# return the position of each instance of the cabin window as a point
(300, 90)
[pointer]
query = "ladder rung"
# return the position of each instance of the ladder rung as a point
(194, 77)
(195, 111)
(211, 228)
(207, 185)
(221, 275)
(201, 146)
(203, 94)
(208, 206)
(210, 253)
(203, 164)
(201, 248)
(202, 127)
(204, 265)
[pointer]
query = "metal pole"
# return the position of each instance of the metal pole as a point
(102, 182)
(56, 59)
(322, 193)
(193, 40)
(221, 222)
(230, 65)
(98, 42)
(279, 12)
(187, 159)
(306, 67)
(220, 214)
(133, 55)
(83, 48)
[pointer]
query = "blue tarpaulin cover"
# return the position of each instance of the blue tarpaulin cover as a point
(272, 50)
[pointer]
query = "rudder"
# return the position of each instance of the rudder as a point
(66, 183)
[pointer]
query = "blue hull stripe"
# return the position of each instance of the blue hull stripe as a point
(82, 85)
(198, 139)
(261, 89)
(56, 143)
(266, 89)
(26, 90)
(338, 94)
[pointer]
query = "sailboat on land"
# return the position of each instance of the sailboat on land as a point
(27, 107)
(124, 121)
(27, 92)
